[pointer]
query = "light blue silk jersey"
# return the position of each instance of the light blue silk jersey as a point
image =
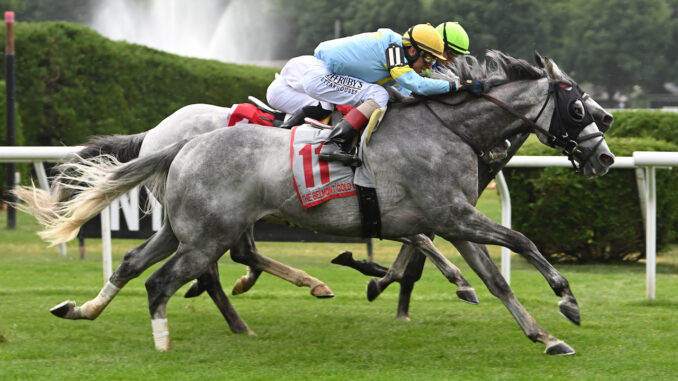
(363, 56)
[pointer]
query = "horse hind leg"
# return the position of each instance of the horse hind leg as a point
(161, 245)
(188, 263)
(210, 279)
(479, 259)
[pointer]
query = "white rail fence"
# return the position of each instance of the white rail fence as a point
(645, 164)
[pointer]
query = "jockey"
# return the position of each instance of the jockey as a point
(456, 43)
(286, 93)
(353, 71)
(455, 40)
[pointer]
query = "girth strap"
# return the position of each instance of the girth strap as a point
(369, 212)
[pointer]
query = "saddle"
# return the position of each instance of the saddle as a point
(363, 185)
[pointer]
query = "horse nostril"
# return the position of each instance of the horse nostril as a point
(606, 159)
(607, 120)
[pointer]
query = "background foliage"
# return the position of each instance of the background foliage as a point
(72, 83)
(613, 44)
(593, 220)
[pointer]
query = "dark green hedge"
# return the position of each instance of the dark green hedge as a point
(73, 83)
(646, 123)
(571, 218)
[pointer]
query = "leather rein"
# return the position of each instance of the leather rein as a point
(569, 146)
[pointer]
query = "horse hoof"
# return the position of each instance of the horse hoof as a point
(194, 290)
(242, 285)
(559, 349)
(63, 309)
(468, 295)
(570, 311)
(373, 289)
(242, 328)
(403, 317)
(343, 259)
(321, 291)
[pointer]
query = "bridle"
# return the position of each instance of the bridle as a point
(564, 129)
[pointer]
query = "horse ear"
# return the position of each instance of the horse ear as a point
(539, 59)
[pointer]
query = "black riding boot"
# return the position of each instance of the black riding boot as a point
(315, 112)
(339, 143)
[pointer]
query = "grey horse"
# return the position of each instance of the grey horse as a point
(186, 123)
(414, 259)
(427, 187)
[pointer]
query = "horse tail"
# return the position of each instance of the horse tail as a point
(96, 181)
(122, 147)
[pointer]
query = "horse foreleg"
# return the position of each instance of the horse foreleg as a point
(479, 259)
(412, 274)
(159, 246)
(245, 282)
(394, 274)
(480, 229)
(364, 267)
(295, 276)
(245, 252)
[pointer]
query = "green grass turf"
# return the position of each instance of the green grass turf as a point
(623, 335)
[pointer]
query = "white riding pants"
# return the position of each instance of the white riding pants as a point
(306, 80)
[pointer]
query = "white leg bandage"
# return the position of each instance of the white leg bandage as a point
(161, 334)
(94, 307)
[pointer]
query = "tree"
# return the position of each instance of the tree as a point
(619, 43)
(370, 15)
(50, 10)
(516, 27)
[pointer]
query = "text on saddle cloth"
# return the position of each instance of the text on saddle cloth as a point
(315, 180)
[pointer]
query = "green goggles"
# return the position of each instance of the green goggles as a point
(428, 58)
(453, 53)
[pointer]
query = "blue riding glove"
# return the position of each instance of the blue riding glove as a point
(473, 86)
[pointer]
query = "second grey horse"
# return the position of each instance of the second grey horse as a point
(427, 187)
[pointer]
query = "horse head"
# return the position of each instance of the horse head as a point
(602, 118)
(578, 122)
(542, 99)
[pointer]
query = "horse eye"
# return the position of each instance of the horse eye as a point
(577, 110)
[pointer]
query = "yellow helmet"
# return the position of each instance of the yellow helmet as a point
(425, 37)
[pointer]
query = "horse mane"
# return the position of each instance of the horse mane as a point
(497, 69)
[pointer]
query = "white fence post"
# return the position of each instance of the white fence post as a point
(651, 233)
(505, 198)
(106, 249)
